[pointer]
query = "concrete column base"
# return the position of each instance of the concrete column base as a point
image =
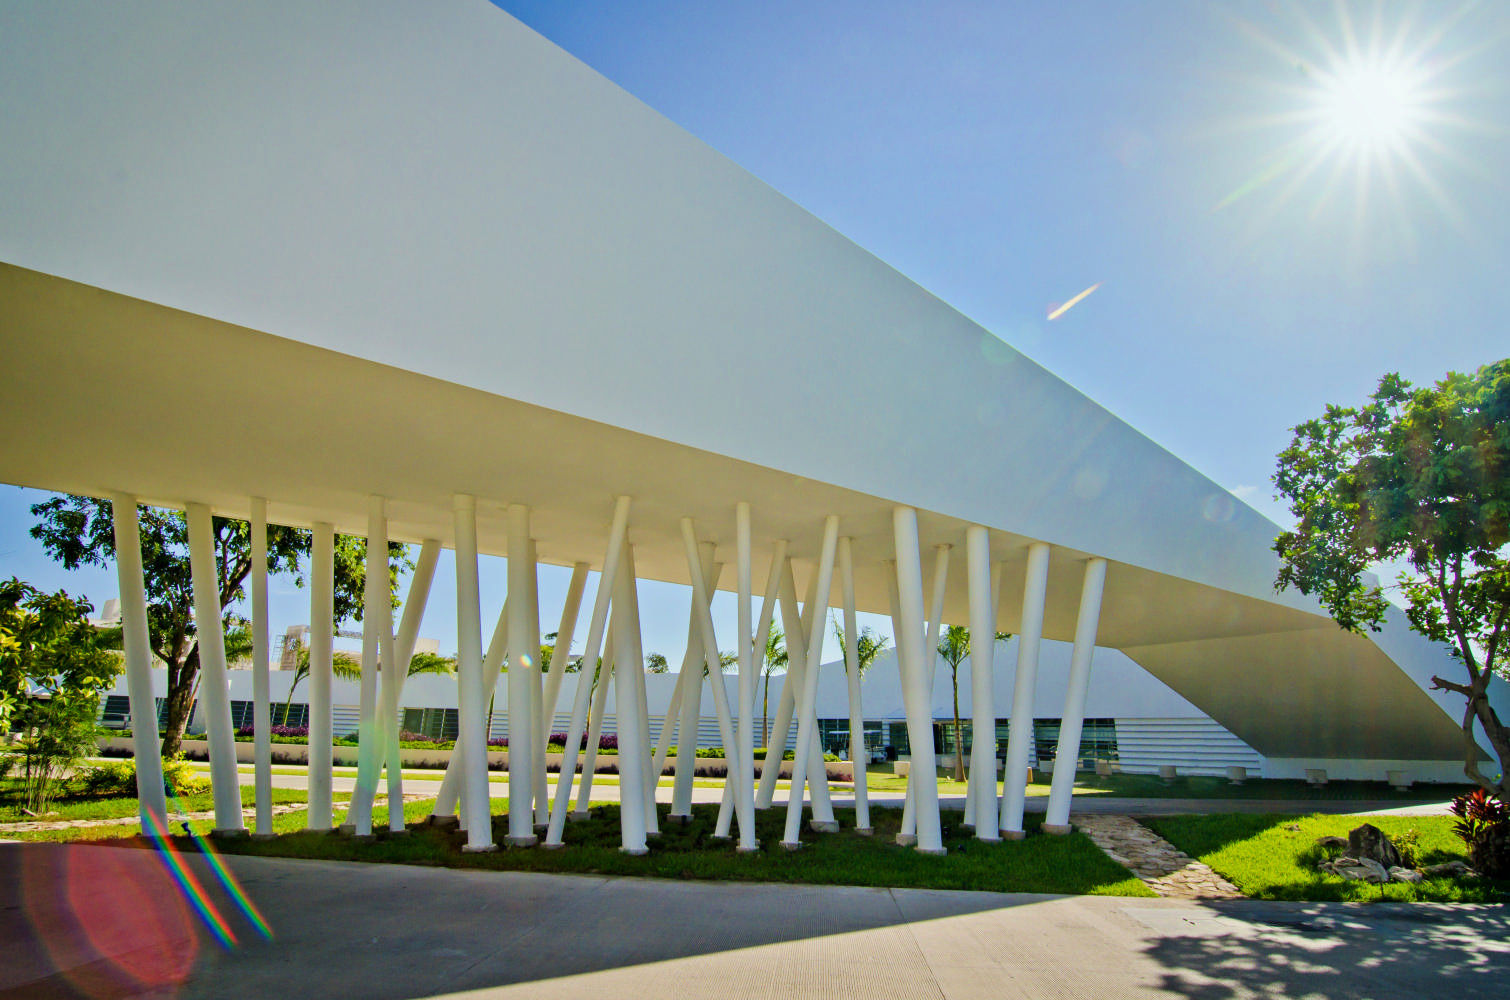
(791, 845)
(824, 826)
(679, 819)
(229, 833)
(720, 838)
(989, 840)
(865, 831)
(1057, 828)
(906, 839)
(551, 847)
(1013, 834)
(742, 849)
(442, 822)
(484, 849)
(634, 852)
(523, 840)
(933, 852)
(967, 826)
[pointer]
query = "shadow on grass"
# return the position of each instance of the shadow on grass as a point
(1040, 864)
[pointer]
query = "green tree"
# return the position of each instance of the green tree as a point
(78, 531)
(656, 663)
(954, 646)
(1419, 477)
(775, 658)
(53, 666)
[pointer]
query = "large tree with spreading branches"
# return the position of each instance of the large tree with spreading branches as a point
(79, 531)
(1418, 477)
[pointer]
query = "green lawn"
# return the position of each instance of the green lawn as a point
(1147, 786)
(1266, 859)
(75, 804)
(1041, 863)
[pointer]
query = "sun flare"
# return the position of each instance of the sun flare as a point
(1370, 106)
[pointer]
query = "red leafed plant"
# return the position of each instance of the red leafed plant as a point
(1484, 825)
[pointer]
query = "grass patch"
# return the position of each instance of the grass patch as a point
(1041, 863)
(1266, 859)
(1148, 786)
(76, 804)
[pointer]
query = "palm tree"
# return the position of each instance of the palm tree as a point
(343, 665)
(954, 646)
(775, 656)
(869, 644)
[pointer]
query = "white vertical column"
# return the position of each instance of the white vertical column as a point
(762, 636)
(539, 727)
(915, 679)
(1020, 736)
(629, 668)
(566, 631)
(594, 729)
(584, 690)
(214, 687)
(857, 752)
(982, 789)
(930, 669)
(377, 632)
(447, 798)
(396, 673)
(743, 761)
(521, 718)
(150, 797)
(1063, 786)
(262, 715)
(322, 570)
(693, 668)
(703, 593)
(807, 721)
(471, 740)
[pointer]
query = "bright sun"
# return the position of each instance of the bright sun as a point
(1369, 106)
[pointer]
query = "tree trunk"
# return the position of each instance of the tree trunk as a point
(959, 746)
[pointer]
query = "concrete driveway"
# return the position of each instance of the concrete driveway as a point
(105, 922)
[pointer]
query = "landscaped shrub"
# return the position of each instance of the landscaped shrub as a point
(118, 777)
(1484, 825)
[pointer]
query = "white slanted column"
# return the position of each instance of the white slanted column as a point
(214, 687)
(449, 795)
(703, 592)
(150, 796)
(471, 740)
(982, 789)
(584, 692)
(322, 583)
(857, 752)
(807, 721)
(521, 717)
(1063, 787)
(786, 700)
(396, 672)
(262, 714)
(798, 628)
(915, 680)
(629, 668)
(690, 683)
(1020, 735)
(566, 631)
(639, 705)
(377, 635)
(594, 729)
(931, 661)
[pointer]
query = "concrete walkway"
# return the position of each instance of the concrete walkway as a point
(105, 922)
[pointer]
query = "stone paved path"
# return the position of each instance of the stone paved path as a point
(1158, 863)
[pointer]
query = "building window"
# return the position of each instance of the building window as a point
(115, 713)
(435, 723)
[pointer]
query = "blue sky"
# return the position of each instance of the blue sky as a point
(1008, 156)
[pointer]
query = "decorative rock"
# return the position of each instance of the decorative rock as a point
(1451, 869)
(1398, 874)
(1369, 843)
